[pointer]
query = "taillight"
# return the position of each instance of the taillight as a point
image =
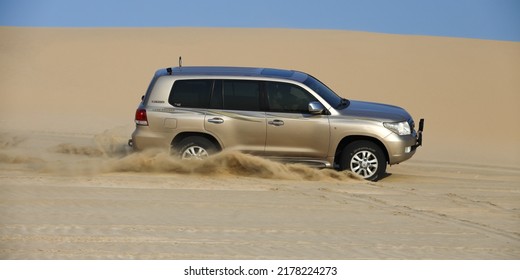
(140, 117)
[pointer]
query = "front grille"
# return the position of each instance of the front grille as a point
(412, 124)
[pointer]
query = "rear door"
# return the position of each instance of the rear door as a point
(291, 130)
(235, 116)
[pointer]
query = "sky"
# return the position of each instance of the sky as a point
(479, 19)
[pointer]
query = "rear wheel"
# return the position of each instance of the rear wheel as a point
(195, 147)
(365, 159)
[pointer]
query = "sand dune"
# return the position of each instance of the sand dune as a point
(70, 188)
(76, 79)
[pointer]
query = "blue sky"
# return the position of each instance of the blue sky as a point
(481, 19)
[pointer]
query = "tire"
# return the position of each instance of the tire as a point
(195, 147)
(365, 159)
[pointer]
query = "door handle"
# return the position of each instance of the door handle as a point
(216, 120)
(276, 122)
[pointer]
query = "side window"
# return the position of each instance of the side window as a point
(241, 95)
(191, 93)
(216, 98)
(284, 97)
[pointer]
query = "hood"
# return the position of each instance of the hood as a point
(370, 110)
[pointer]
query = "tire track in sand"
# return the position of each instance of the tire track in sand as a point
(343, 196)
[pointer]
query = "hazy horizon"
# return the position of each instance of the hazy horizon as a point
(478, 19)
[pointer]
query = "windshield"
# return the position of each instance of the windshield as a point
(325, 92)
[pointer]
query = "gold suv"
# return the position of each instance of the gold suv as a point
(280, 114)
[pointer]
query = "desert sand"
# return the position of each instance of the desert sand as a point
(70, 188)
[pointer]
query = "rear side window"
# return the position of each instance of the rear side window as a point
(241, 95)
(191, 93)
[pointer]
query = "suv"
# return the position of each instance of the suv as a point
(279, 114)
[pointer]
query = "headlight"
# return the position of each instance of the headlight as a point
(401, 128)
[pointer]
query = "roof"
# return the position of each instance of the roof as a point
(236, 72)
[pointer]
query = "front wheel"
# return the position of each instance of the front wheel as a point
(195, 147)
(365, 159)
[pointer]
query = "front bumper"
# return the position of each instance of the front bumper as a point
(401, 148)
(419, 135)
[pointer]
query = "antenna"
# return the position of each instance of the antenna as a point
(180, 61)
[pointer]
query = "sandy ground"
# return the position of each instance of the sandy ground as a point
(71, 189)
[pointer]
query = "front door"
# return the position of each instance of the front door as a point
(291, 130)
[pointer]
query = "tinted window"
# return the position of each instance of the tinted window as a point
(284, 97)
(191, 93)
(330, 96)
(241, 95)
(216, 98)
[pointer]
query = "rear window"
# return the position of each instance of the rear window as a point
(191, 93)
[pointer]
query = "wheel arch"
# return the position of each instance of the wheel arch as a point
(183, 135)
(352, 138)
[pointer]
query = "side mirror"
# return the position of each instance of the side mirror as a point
(316, 108)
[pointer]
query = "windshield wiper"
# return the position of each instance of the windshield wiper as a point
(344, 103)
